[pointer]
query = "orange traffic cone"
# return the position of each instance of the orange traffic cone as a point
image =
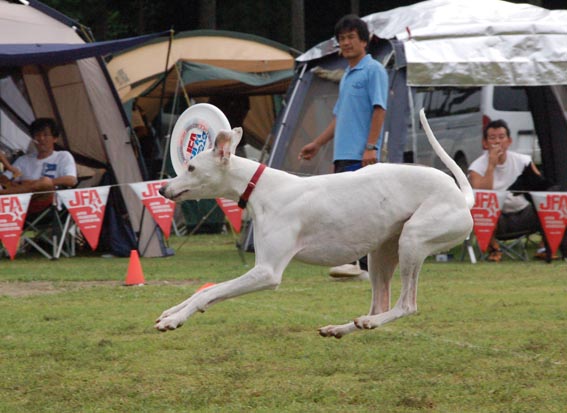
(135, 275)
(206, 285)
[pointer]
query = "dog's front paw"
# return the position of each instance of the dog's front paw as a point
(168, 323)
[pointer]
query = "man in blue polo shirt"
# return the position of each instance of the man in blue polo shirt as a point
(359, 113)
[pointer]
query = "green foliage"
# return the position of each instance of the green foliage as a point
(111, 19)
(487, 338)
(266, 18)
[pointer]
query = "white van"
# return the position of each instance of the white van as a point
(457, 117)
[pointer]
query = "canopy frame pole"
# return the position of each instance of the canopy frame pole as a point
(411, 105)
(286, 113)
(161, 98)
(162, 173)
(185, 95)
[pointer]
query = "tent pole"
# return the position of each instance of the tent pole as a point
(286, 113)
(413, 128)
(185, 95)
(171, 33)
(264, 151)
(170, 128)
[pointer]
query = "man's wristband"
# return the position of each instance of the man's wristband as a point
(369, 147)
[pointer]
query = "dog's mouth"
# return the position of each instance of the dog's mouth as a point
(177, 196)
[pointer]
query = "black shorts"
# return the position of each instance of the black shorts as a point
(346, 165)
(521, 222)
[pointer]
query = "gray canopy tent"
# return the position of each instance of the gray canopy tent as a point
(436, 43)
(48, 70)
(440, 43)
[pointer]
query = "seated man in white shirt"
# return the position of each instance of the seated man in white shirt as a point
(497, 169)
(44, 171)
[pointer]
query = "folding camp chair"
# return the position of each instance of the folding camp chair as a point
(50, 232)
(515, 245)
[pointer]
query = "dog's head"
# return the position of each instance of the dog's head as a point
(206, 175)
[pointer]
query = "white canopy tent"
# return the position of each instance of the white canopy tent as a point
(472, 43)
(441, 43)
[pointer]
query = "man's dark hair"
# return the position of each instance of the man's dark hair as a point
(495, 124)
(352, 22)
(41, 123)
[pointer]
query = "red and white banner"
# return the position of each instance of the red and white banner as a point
(87, 206)
(13, 209)
(486, 211)
(160, 208)
(551, 208)
(232, 212)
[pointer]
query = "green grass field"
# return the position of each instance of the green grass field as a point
(487, 338)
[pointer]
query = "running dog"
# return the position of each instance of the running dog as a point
(397, 214)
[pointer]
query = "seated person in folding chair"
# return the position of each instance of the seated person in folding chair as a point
(497, 169)
(42, 172)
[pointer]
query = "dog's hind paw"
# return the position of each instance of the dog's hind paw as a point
(337, 331)
(329, 331)
(364, 323)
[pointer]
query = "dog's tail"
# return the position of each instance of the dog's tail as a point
(459, 175)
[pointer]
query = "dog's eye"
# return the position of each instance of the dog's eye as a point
(191, 168)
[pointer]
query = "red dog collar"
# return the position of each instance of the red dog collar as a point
(250, 187)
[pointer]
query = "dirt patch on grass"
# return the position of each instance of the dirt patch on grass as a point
(24, 289)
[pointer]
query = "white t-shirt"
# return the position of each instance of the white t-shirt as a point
(56, 165)
(504, 176)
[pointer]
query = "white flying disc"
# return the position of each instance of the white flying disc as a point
(195, 131)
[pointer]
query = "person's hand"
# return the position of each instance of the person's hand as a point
(308, 151)
(495, 153)
(15, 171)
(369, 157)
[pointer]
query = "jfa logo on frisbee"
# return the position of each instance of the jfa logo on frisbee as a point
(194, 141)
(197, 143)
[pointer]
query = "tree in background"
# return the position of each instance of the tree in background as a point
(273, 20)
(298, 23)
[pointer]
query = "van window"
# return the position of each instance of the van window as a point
(510, 99)
(436, 103)
(452, 101)
(464, 100)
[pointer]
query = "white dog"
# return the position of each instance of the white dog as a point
(397, 214)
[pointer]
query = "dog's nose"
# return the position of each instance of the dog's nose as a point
(162, 191)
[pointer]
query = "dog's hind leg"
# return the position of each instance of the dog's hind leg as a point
(410, 265)
(433, 227)
(381, 265)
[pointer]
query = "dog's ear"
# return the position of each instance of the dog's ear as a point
(226, 143)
